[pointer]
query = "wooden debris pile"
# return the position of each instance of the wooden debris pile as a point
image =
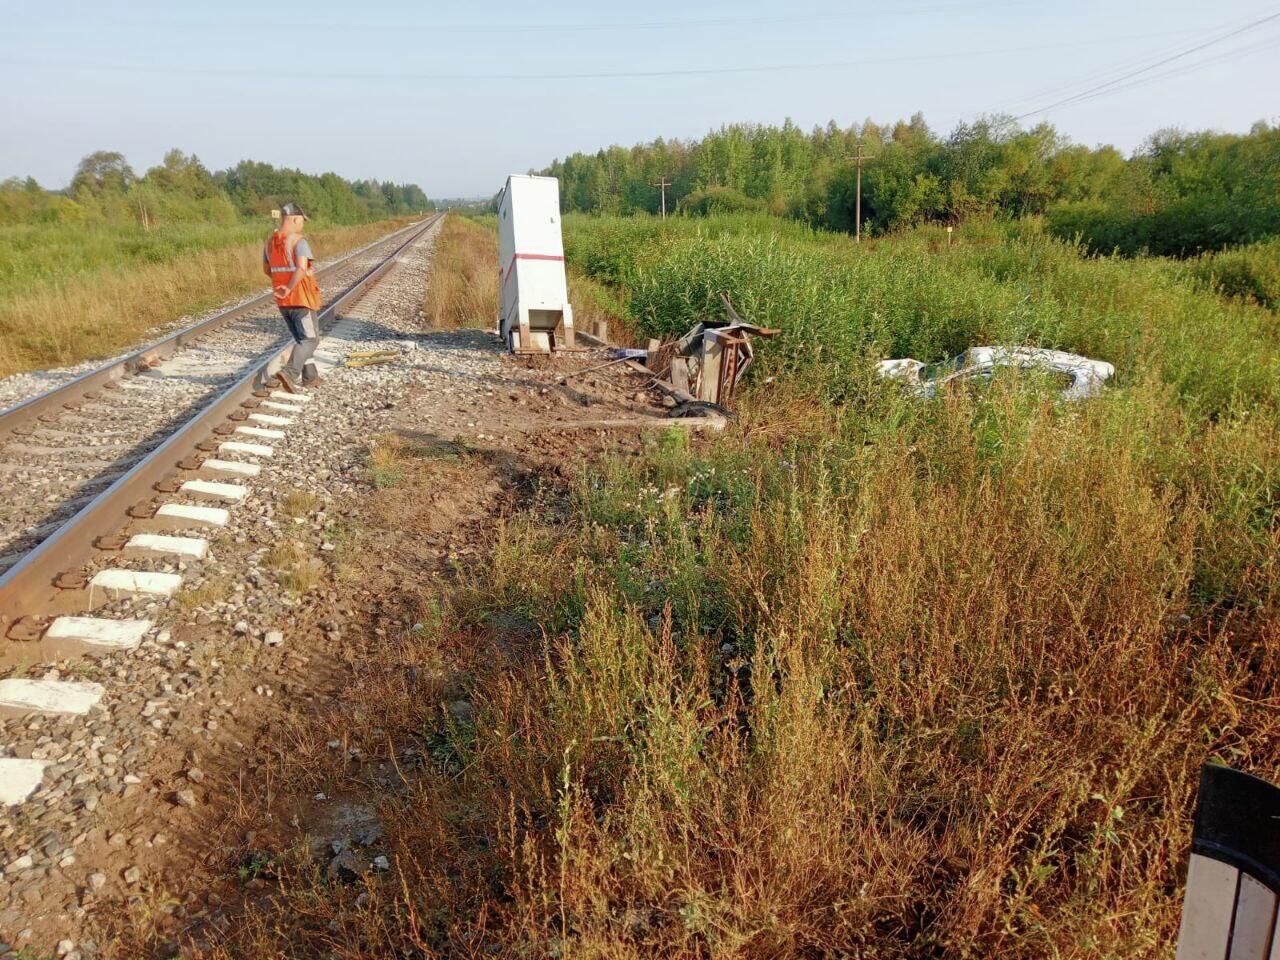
(709, 361)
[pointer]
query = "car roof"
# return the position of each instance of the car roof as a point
(1038, 356)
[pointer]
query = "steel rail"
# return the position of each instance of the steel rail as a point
(28, 588)
(17, 416)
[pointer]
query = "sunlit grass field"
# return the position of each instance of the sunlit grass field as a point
(70, 293)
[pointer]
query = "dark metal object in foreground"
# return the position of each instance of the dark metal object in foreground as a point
(1233, 880)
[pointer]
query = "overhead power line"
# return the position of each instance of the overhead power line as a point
(1186, 68)
(1108, 86)
(1109, 72)
(184, 70)
(606, 26)
(1115, 72)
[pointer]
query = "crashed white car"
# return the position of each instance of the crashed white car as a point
(1079, 376)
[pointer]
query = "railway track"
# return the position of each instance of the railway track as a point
(108, 482)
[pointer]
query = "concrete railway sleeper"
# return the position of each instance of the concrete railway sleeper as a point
(152, 514)
(52, 446)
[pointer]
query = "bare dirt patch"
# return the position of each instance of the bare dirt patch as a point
(318, 791)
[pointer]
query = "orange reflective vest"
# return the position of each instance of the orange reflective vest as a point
(280, 260)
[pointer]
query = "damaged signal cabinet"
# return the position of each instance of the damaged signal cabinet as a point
(534, 311)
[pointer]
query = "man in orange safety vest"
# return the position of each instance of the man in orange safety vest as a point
(288, 261)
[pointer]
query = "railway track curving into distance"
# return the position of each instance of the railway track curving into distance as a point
(127, 459)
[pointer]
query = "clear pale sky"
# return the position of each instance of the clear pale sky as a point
(454, 97)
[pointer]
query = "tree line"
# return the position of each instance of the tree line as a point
(105, 189)
(1179, 194)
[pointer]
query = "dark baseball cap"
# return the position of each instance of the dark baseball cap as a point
(293, 210)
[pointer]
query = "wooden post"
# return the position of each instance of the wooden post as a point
(663, 183)
(857, 215)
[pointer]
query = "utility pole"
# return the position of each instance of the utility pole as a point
(857, 213)
(664, 183)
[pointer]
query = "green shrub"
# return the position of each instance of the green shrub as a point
(1181, 228)
(1100, 227)
(1248, 273)
(711, 200)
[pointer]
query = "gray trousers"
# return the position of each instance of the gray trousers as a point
(306, 337)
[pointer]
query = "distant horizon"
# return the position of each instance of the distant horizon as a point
(406, 94)
(142, 168)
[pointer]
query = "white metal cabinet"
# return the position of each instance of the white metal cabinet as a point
(534, 311)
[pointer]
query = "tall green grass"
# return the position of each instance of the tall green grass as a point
(840, 305)
(38, 255)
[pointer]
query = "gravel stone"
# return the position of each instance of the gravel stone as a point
(24, 862)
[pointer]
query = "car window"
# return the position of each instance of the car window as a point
(936, 371)
(980, 376)
(1051, 379)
